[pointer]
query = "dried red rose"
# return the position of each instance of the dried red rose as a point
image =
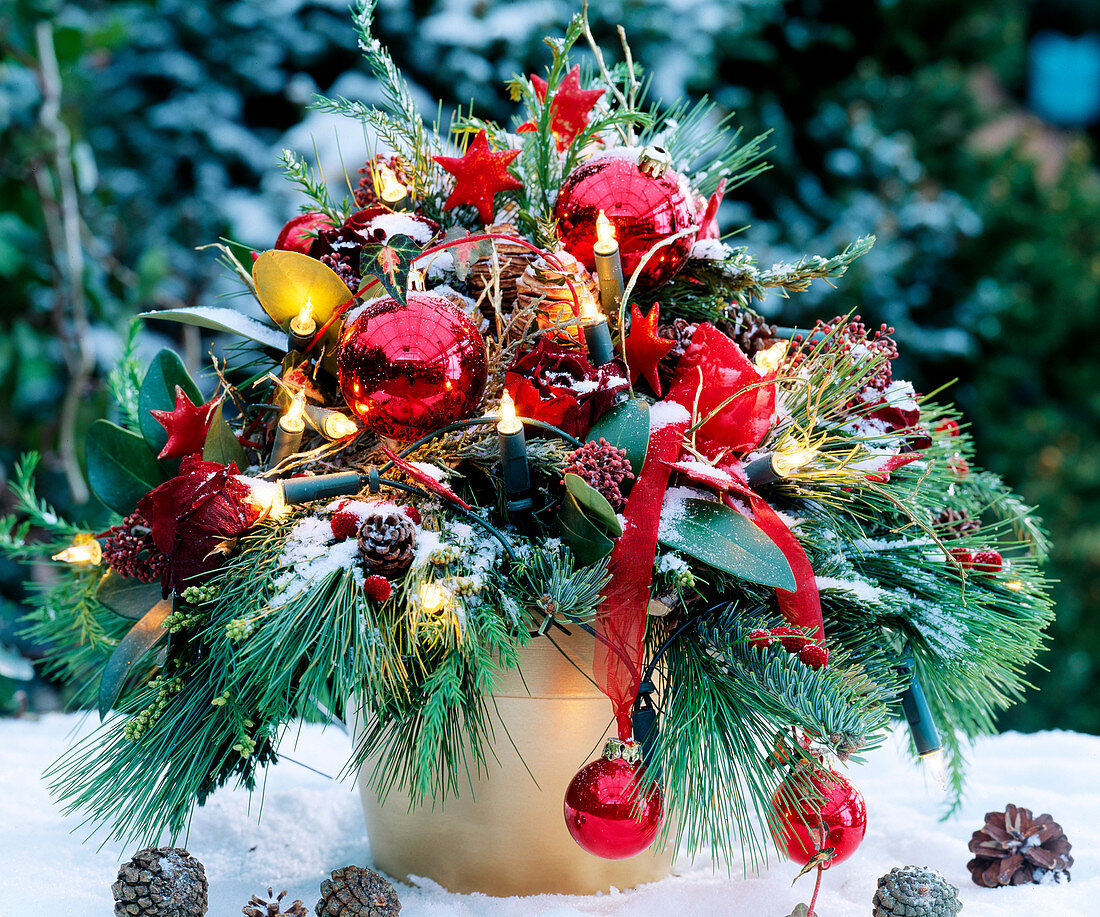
(194, 518)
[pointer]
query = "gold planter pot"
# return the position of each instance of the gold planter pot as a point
(509, 836)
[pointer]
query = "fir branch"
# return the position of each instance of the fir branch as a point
(298, 171)
(550, 583)
(124, 380)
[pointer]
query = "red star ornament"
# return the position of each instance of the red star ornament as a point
(569, 109)
(480, 175)
(186, 424)
(643, 348)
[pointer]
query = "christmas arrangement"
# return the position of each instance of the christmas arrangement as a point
(512, 387)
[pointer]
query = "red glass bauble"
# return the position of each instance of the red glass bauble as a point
(408, 370)
(839, 821)
(644, 208)
(600, 809)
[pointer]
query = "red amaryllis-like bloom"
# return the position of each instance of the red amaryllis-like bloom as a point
(560, 387)
(194, 518)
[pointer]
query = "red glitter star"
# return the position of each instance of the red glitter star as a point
(186, 424)
(479, 176)
(569, 109)
(644, 349)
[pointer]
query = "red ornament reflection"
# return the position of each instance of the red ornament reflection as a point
(600, 810)
(645, 209)
(838, 821)
(408, 370)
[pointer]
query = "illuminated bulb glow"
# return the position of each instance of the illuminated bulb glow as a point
(294, 420)
(772, 358)
(588, 307)
(605, 235)
(267, 497)
(787, 463)
(88, 552)
(387, 186)
(338, 425)
(509, 423)
(432, 597)
(304, 323)
(935, 767)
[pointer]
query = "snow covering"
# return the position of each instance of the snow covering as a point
(663, 413)
(311, 825)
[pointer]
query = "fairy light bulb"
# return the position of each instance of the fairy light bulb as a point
(294, 420)
(389, 188)
(770, 359)
(432, 597)
(82, 551)
(588, 307)
(935, 766)
(303, 322)
(605, 234)
(340, 425)
(509, 423)
(787, 463)
(609, 265)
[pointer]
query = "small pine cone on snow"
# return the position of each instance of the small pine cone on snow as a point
(915, 891)
(161, 882)
(1016, 848)
(387, 541)
(956, 523)
(542, 289)
(356, 892)
(512, 261)
(273, 907)
(748, 330)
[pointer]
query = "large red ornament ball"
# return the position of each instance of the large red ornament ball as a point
(600, 809)
(644, 208)
(408, 370)
(808, 825)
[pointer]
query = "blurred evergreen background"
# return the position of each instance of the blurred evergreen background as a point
(961, 133)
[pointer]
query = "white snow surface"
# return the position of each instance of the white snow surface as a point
(311, 825)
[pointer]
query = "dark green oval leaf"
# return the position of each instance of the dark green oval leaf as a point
(219, 319)
(726, 540)
(158, 393)
(221, 443)
(594, 505)
(626, 426)
(121, 467)
(141, 638)
(587, 542)
(126, 597)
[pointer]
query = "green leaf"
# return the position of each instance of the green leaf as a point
(626, 426)
(121, 467)
(593, 504)
(219, 319)
(141, 638)
(221, 444)
(158, 393)
(726, 540)
(126, 597)
(465, 254)
(390, 262)
(587, 542)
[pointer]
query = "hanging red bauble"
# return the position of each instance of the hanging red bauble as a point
(645, 200)
(406, 370)
(809, 825)
(601, 803)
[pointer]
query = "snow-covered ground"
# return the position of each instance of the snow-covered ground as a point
(311, 824)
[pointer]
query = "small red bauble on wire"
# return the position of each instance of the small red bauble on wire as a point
(643, 197)
(809, 825)
(406, 370)
(602, 809)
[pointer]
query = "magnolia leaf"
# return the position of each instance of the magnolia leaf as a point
(587, 542)
(126, 597)
(390, 262)
(466, 254)
(626, 426)
(121, 467)
(222, 445)
(141, 638)
(158, 393)
(287, 281)
(726, 540)
(800, 910)
(593, 504)
(228, 320)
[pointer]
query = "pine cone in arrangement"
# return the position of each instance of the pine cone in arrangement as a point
(748, 330)
(366, 195)
(956, 523)
(161, 882)
(387, 541)
(543, 289)
(915, 891)
(1015, 848)
(356, 892)
(679, 330)
(273, 907)
(512, 260)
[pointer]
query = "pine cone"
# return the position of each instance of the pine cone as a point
(543, 290)
(257, 907)
(387, 541)
(956, 523)
(1015, 848)
(748, 330)
(681, 331)
(512, 260)
(915, 891)
(161, 882)
(365, 195)
(356, 892)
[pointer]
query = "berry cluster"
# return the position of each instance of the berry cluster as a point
(129, 550)
(815, 655)
(603, 467)
(854, 336)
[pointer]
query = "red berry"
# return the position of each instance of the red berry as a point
(377, 588)
(963, 556)
(412, 512)
(988, 562)
(950, 426)
(814, 655)
(344, 524)
(792, 640)
(959, 465)
(760, 638)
